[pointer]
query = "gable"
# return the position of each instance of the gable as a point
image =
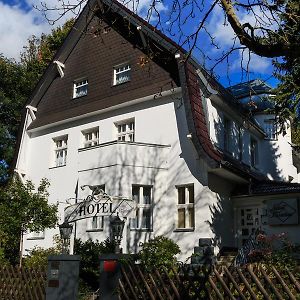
(93, 58)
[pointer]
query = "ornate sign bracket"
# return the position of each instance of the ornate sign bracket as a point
(99, 203)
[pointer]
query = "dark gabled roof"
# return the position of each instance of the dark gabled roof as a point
(253, 96)
(246, 89)
(267, 187)
(188, 72)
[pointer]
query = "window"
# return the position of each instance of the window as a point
(270, 129)
(61, 147)
(96, 223)
(253, 152)
(91, 137)
(121, 74)
(80, 88)
(227, 134)
(240, 143)
(36, 235)
(185, 207)
(125, 131)
(143, 197)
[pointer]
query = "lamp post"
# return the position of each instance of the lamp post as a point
(65, 230)
(117, 226)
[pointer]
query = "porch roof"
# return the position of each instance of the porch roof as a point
(266, 187)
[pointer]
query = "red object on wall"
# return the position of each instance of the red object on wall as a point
(109, 265)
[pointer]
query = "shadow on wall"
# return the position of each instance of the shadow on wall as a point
(235, 141)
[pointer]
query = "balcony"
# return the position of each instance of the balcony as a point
(119, 153)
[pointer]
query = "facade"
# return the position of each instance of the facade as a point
(121, 109)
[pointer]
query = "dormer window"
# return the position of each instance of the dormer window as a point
(80, 88)
(121, 74)
(270, 129)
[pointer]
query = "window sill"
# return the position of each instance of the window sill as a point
(36, 238)
(184, 230)
(94, 230)
(141, 229)
(118, 84)
(79, 97)
(56, 167)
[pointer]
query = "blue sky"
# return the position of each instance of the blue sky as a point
(19, 21)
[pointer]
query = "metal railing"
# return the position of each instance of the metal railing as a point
(244, 254)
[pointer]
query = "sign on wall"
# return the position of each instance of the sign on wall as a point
(282, 212)
(100, 204)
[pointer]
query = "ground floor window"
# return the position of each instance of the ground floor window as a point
(96, 223)
(185, 207)
(142, 194)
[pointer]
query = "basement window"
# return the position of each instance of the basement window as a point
(80, 88)
(121, 74)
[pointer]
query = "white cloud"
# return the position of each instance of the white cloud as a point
(256, 63)
(16, 26)
(224, 36)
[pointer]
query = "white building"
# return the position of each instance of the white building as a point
(125, 111)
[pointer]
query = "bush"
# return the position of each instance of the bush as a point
(275, 250)
(38, 256)
(89, 252)
(159, 251)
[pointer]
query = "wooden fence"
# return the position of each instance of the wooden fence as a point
(24, 283)
(251, 282)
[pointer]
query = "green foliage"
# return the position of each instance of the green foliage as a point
(288, 69)
(89, 252)
(17, 81)
(23, 209)
(275, 250)
(38, 256)
(159, 251)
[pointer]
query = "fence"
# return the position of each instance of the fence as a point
(24, 283)
(250, 282)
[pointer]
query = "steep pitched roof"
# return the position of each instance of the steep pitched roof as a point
(191, 74)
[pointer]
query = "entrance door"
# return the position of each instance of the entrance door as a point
(248, 221)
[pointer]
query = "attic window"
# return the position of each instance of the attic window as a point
(121, 74)
(80, 88)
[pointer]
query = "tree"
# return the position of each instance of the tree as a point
(13, 93)
(17, 81)
(268, 28)
(22, 209)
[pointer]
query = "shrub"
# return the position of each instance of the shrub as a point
(275, 250)
(38, 256)
(159, 251)
(89, 252)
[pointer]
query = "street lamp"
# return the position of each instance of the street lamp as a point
(117, 226)
(65, 230)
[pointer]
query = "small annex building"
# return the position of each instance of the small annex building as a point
(122, 109)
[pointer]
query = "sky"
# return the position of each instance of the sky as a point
(19, 21)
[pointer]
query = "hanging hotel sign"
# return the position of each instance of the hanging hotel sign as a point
(99, 204)
(282, 211)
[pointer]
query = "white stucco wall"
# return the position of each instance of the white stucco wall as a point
(162, 157)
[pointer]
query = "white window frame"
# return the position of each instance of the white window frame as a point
(126, 130)
(90, 137)
(123, 68)
(227, 134)
(77, 85)
(99, 220)
(137, 222)
(36, 235)
(270, 129)
(60, 150)
(254, 152)
(187, 205)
